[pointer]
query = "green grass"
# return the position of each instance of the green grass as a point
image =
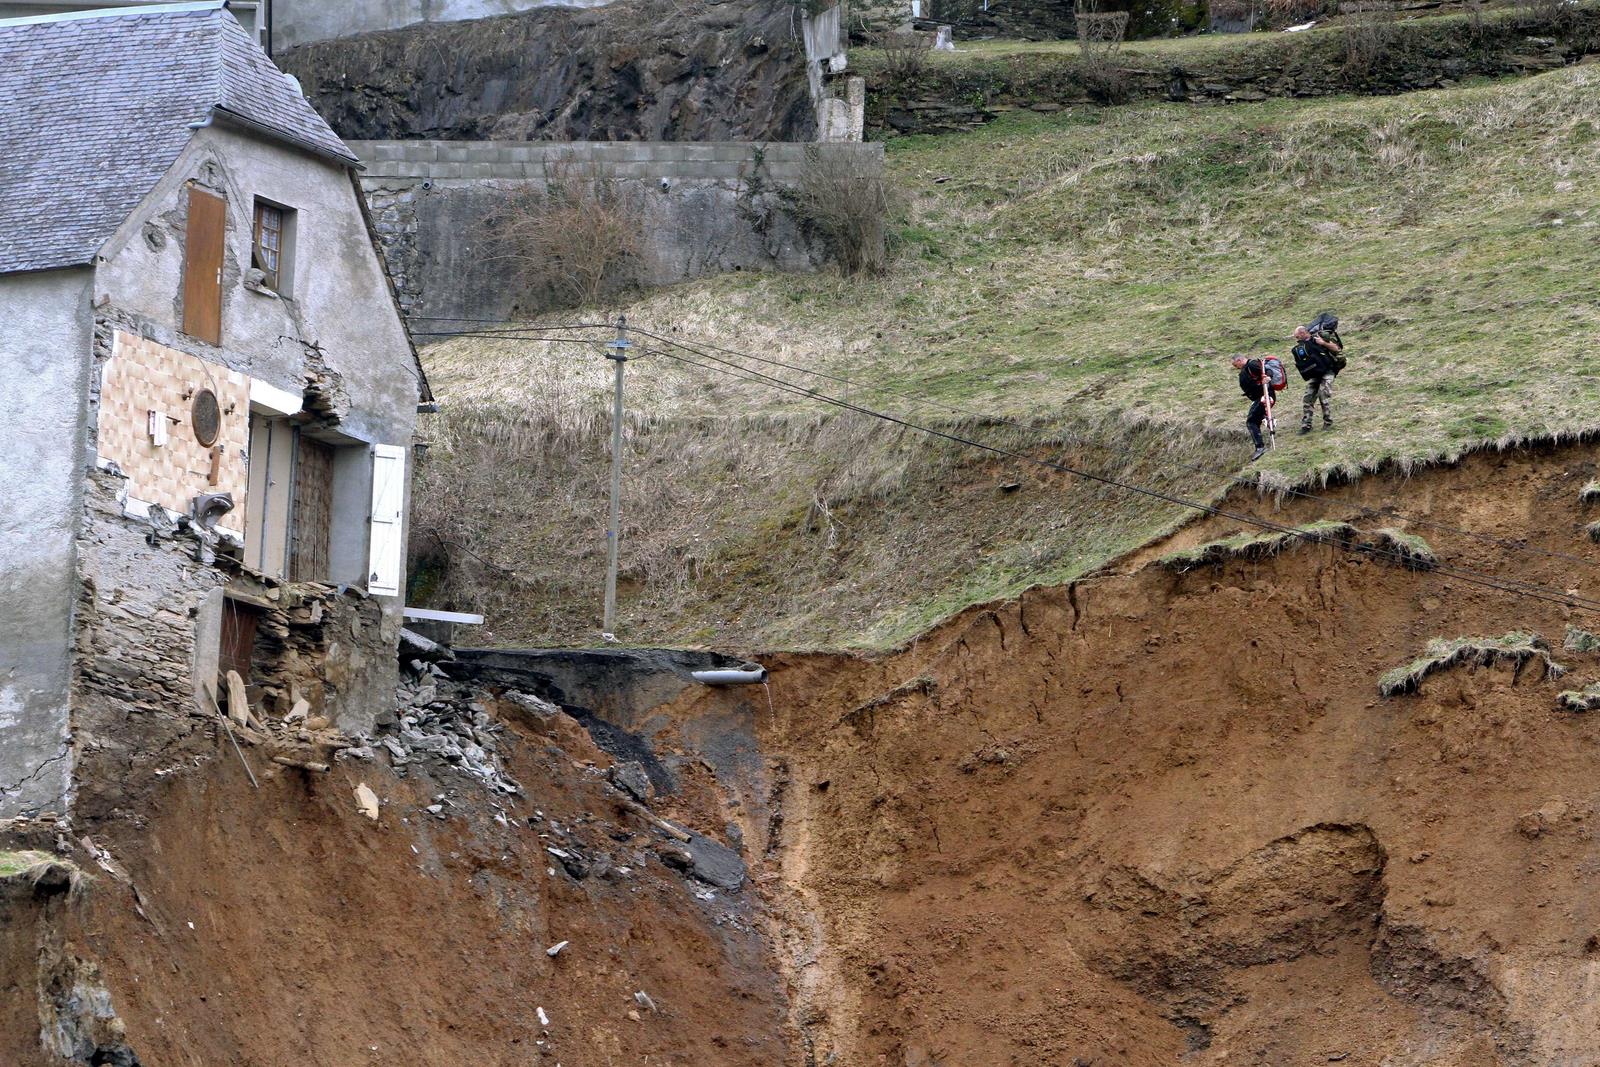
(13, 864)
(1442, 654)
(1112, 260)
(1079, 278)
(1406, 549)
(1580, 640)
(1254, 546)
(1586, 699)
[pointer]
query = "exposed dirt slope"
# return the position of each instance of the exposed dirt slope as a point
(1159, 817)
(1154, 817)
(280, 926)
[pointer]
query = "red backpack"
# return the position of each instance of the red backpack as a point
(1272, 370)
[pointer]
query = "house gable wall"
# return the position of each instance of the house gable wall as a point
(329, 359)
(338, 331)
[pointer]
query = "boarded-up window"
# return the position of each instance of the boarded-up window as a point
(202, 266)
(388, 506)
(313, 507)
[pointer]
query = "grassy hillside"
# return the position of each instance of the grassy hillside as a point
(1087, 273)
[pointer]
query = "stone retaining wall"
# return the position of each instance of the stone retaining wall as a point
(966, 92)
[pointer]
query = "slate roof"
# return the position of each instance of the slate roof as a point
(97, 108)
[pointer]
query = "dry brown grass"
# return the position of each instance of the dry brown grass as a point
(786, 527)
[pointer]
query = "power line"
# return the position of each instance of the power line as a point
(509, 324)
(1505, 585)
(1235, 479)
(747, 374)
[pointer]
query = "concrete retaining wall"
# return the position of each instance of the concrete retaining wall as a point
(703, 209)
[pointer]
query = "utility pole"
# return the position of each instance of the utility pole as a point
(617, 352)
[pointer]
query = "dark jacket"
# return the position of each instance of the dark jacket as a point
(1252, 379)
(1313, 359)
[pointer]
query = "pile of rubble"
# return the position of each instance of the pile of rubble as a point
(442, 723)
(298, 739)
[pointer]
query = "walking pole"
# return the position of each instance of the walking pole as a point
(617, 352)
(1270, 399)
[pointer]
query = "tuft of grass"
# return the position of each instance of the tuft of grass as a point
(1580, 640)
(1593, 531)
(1441, 654)
(1589, 493)
(32, 868)
(1255, 546)
(1409, 550)
(1580, 700)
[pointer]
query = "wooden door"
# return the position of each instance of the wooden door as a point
(313, 512)
(202, 266)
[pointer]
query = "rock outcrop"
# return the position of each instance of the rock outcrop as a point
(637, 70)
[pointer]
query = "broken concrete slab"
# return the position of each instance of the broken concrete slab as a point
(715, 863)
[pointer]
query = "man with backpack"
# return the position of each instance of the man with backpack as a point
(1319, 358)
(1260, 380)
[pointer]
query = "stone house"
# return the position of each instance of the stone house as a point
(210, 396)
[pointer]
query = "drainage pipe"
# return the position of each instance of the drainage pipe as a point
(748, 674)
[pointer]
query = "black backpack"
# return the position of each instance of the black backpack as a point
(1327, 325)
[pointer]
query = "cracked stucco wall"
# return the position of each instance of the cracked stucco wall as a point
(44, 346)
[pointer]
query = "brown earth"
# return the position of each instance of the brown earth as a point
(285, 928)
(1149, 818)
(1155, 817)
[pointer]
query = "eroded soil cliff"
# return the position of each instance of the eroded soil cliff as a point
(1158, 816)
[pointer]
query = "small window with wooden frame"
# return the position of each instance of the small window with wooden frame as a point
(272, 249)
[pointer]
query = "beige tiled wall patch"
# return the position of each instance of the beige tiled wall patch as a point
(143, 376)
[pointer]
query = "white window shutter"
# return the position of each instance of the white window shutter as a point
(387, 523)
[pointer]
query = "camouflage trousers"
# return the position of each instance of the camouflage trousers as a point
(1318, 390)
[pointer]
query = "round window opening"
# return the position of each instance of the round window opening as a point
(207, 418)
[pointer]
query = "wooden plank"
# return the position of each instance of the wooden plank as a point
(202, 266)
(238, 638)
(313, 512)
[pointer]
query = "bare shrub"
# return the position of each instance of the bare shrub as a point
(1103, 80)
(1281, 13)
(1544, 14)
(1100, 33)
(570, 236)
(1369, 37)
(905, 54)
(849, 203)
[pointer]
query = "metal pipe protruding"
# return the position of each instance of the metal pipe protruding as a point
(749, 674)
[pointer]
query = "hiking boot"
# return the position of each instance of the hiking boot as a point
(1305, 429)
(1327, 424)
(1261, 450)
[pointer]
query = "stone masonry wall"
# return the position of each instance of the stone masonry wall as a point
(704, 209)
(149, 620)
(967, 92)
